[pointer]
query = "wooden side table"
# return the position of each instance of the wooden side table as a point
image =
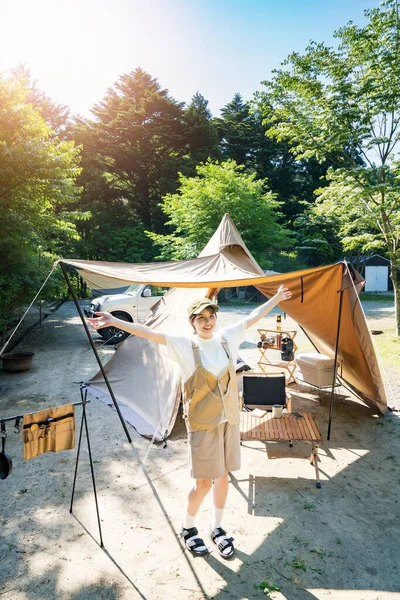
(267, 428)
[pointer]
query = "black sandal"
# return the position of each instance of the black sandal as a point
(193, 542)
(220, 539)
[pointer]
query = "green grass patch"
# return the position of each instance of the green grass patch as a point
(239, 302)
(299, 563)
(268, 586)
(369, 296)
(318, 552)
(387, 347)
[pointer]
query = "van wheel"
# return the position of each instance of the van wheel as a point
(113, 335)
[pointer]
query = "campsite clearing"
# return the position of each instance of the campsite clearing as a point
(339, 542)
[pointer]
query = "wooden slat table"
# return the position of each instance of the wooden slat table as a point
(287, 429)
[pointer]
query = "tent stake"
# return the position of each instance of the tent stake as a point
(335, 364)
(78, 308)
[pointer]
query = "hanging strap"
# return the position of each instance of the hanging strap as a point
(3, 437)
(226, 348)
(196, 354)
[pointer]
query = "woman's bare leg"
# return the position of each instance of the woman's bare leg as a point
(220, 491)
(197, 494)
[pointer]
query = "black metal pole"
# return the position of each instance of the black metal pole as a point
(19, 417)
(78, 308)
(335, 364)
(84, 420)
(76, 465)
(92, 470)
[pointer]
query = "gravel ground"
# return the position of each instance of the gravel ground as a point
(339, 542)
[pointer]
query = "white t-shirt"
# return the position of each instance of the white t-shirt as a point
(212, 353)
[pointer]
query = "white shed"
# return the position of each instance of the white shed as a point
(377, 274)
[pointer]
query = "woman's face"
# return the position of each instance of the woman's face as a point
(204, 323)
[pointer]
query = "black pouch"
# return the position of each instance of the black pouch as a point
(287, 349)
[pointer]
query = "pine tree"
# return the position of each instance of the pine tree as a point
(201, 133)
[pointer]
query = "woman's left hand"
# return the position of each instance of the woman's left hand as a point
(284, 293)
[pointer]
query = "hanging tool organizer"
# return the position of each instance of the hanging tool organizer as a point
(45, 429)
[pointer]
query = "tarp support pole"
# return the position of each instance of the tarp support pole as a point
(78, 308)
(335, 364)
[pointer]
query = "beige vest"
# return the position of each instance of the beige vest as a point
(207, 398)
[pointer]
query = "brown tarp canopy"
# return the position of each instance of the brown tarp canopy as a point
(226, 262)
(315, 307)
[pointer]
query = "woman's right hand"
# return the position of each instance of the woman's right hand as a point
(104, 319)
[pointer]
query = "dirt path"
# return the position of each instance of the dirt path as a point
(340, 542)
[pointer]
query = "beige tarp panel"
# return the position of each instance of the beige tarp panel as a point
(230, 266)
(226, 262)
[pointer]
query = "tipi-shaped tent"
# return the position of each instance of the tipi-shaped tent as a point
(147, 383)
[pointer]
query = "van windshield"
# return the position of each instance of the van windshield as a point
(132, 289)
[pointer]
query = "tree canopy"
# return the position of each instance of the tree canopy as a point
(308, 168)
(37, 192)
(195, 211)
(138, 140)
(343, 105)
(201, 132)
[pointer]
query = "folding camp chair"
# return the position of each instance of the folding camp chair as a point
(263, 390)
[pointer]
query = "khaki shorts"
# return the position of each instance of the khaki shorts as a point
(214, 452)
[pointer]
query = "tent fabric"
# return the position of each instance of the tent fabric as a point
(315, 306)
(231, 266)
(146, 384)
(144, 379)
(146, 408)
(226, 262)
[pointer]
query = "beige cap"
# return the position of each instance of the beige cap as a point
(198, 305)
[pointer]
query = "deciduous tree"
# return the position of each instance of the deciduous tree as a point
(330, 99)
(196, 210)
(37, 193)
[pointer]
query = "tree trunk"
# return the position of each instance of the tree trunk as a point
(395, 277)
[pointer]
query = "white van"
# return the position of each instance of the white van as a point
(133, 305)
